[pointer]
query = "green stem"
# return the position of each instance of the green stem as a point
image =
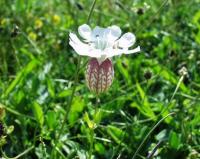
(68, 106)
(149, 133)
(20, 155)
(92, 134)
(91, 11)
(10, 110)
(175, 91)
(91, 143)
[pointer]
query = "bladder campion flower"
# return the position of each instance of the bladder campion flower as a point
(100, 44)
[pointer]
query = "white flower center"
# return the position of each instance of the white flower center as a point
(100, 43)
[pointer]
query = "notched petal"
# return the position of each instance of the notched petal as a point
(85, 31)
(115, 31)
(98, 32)
(127, 40)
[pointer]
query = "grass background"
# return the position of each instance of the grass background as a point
(37, 68)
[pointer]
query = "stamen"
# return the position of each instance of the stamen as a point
(98, 42)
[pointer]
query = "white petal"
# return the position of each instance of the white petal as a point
(73, 37)
(137, 49)
(127, 40)
(86, 51)
(98, 32)
(81, 50)
(85, 31)
(115, 52)
(80, 47)
(109, 52)
(115, 32)
(95, 53)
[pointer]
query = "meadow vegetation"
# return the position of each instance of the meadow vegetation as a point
(152, 109)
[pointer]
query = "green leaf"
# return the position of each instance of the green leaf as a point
(21, 76)
(174, 140)
(117, 135)
(10, 129)
(100, 148)
(124, 71)
(196, 19)
(38, 113)
(20, 5)
(145, 106)
(170, 76)
(161, 135)
(68, 92)
(51, 119)
(2, 111)
(50, 87)
(196, 120)
(89, 122)
(98, 116)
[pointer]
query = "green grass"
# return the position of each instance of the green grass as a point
(49, 111)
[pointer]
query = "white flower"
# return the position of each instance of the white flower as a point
(102, 43)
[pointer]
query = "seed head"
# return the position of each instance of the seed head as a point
(147, 75)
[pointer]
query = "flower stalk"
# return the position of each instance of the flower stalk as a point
(68, 106)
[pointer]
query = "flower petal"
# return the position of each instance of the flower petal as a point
(85, 31)
(98, 32)
(95, 53)
(82, 48)
(137, 49)
(114, 33)
(127, 40)
(73, 37)
(115, 52)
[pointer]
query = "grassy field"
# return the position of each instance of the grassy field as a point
(152, 109)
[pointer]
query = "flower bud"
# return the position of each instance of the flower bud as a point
(140, 11)
(99, 76)
(148, 75)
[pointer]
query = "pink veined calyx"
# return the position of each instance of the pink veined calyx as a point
(100, 44)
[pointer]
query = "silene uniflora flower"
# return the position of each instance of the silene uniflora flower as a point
(100, 44)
